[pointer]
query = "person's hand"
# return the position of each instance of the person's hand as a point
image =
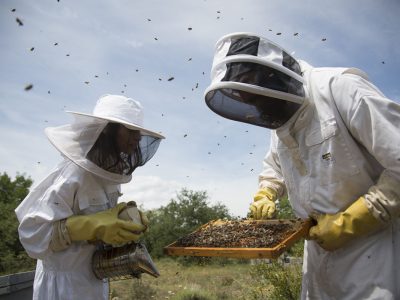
(334, 231)
(105, 226)
(263, 206)
(145, 220)
(132, 213)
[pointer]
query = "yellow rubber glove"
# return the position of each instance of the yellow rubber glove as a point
(263, 206)
(132, 213)
(145, 220)
(334, 231)
(105, 226)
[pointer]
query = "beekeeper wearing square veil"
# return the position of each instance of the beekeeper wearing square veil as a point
(335, 151)
(76, 205)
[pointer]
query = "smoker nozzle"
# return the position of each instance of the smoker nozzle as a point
(145, 263)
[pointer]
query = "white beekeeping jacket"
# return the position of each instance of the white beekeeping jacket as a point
(343, 144)
(76, 186)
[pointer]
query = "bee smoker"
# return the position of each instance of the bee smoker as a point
(127, 261)
(124, 262)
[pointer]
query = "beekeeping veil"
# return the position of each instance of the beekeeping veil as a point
(254, 81)
(76, 140)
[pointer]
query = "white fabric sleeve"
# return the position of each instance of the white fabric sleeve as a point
(374, 121)
(271, 175)
(50, 204)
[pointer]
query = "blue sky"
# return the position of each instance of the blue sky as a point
(133, 47)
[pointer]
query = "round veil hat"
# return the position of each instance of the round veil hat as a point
(120, 109)
(75, 140)
(255, 81)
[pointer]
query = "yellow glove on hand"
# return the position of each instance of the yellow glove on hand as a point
(145, 220)
(263, 206)
(334, 231)
(132, 213)
(105, 226)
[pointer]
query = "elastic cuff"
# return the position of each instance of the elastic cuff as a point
(60, 239)
(265, 192)
(383, 198)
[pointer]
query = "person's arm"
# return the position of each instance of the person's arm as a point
(374, 122)
(105, 225)
(49, 204)
(271, 175)
(271, 185)
(51, 226)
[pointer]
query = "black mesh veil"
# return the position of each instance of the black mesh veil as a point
(263, 76)
(250, 108)
(146, 149)
(106, 154)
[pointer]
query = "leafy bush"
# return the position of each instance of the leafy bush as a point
(297, 249)
(284, 209)
(276, 281)
(13, 256)
(141, 290)
(188, 261)
(193, 295)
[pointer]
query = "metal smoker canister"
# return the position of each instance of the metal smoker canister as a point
(127, 261)
(123, 262)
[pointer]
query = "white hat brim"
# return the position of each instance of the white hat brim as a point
(133, 126)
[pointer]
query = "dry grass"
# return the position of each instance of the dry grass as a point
(231, 281)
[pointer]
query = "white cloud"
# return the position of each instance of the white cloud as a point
(153, 192)
(150, 191)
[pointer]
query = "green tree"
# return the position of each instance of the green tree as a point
(284, 209)
(13, 256)
(179, 217)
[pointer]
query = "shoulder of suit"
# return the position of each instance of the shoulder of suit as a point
(332, 71)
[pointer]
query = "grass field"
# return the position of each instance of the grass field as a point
(230, 281)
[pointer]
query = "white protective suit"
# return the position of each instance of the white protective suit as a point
(335, 139)
(76, 186)
(343, 143)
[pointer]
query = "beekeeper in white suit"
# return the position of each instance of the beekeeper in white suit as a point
(335, 150)
(76, 205)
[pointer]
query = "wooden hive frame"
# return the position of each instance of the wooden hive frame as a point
(301, 230)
